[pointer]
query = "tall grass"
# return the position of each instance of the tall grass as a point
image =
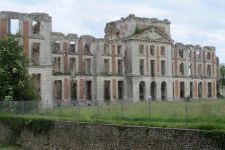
(162, 113)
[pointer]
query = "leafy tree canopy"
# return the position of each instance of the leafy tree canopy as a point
(222, 73)
(15, 83)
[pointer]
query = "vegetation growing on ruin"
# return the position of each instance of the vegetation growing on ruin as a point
(11, 147)
(15, 83)
(17, 124)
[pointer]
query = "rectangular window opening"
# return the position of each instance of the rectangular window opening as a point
(181, 68)
(14, 26)
(120, 67)
(208, 55)
(153, 68)
(209, 89)
(36, 27)
(35, 52)
(73, 90)
(142, 67)
(152, 50)
(58, 89)
(181, 53)
(57, 64)
(163, 67)
(119, 49)
(141, 49)
(106, 66)
(57, 45)
(88, 66)
(37, 84)
(120, 90)
(87, 48)
(106, 90)
(162, 51)
(189, 56)
(72, 47)
(191, 89)
(88, 90)
(73, 66)
(182, 94)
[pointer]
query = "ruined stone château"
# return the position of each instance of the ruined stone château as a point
(122, 65)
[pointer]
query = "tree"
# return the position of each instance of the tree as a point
(222, 74)
(15, 83)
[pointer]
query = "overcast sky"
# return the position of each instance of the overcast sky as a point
(196, 22)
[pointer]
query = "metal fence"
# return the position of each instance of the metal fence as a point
(146, 111)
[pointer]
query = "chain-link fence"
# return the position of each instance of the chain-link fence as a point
(120, 110)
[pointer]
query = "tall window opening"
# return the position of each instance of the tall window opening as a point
(88, 90)
(152, 50)
(57, 64)
(119, 50)
(163, 67)
(120, 67)
(58, 89)
(142, 90)
(36, 27)
(162, 51)
(73, 66)
(181, 55)
(141, 67)
(106, 65)
(57, 45)
(72, 47)
(182, 88)
(88, 66)
(200, 89)
(153, 68)
(191, 89)
(163, 91)
(14, 26)
(141, 49)
(153, 90)
(181, 68)
(209, 89)
(120, 90)
(73, 90)
(106, 90)
(35, 52)
(87, 47)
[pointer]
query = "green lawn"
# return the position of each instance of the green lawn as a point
(11, 147)
(201, 115)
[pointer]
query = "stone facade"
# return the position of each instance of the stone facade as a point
(122, 65)
(75, 135)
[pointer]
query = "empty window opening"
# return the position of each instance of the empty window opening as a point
(182, 94)
(200, 89)
(153, 68)
(152, 50)
(208, 55)
(199, 70)
(199, 55)
(163, 91)
(153, 90)
(57, 45)
(36, 27)
(189, 56)
(57, 64)
(141, 67)
(181, 53)
(119, 49)
(162, 50)
(106, 66)
(14, 26)
(120, 67)
(106, 49)
(163, 67)
(72, 47)
(37, 84)
(106, 90)
(141, 49)
(73, 90)
(87, 48)
(172, 68)
(88, 66)
(142, 90)
(208, 70)
(190, 69)
(73, 66)
(181, 68)
(120, 90)
(35, 52)
(88, 90)
(58, 89)
(209, 89)
(191, 89)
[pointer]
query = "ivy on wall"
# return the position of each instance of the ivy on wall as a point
(218, 136)
(35, 125)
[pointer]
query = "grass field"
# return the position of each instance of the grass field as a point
(201, 115)
(11, 147)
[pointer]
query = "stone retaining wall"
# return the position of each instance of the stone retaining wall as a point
(77, 135)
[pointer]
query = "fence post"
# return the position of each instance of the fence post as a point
(149, 109)
(33, 108)
(98, 108)
(122, 108)
(186, 112)
(78, 109)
